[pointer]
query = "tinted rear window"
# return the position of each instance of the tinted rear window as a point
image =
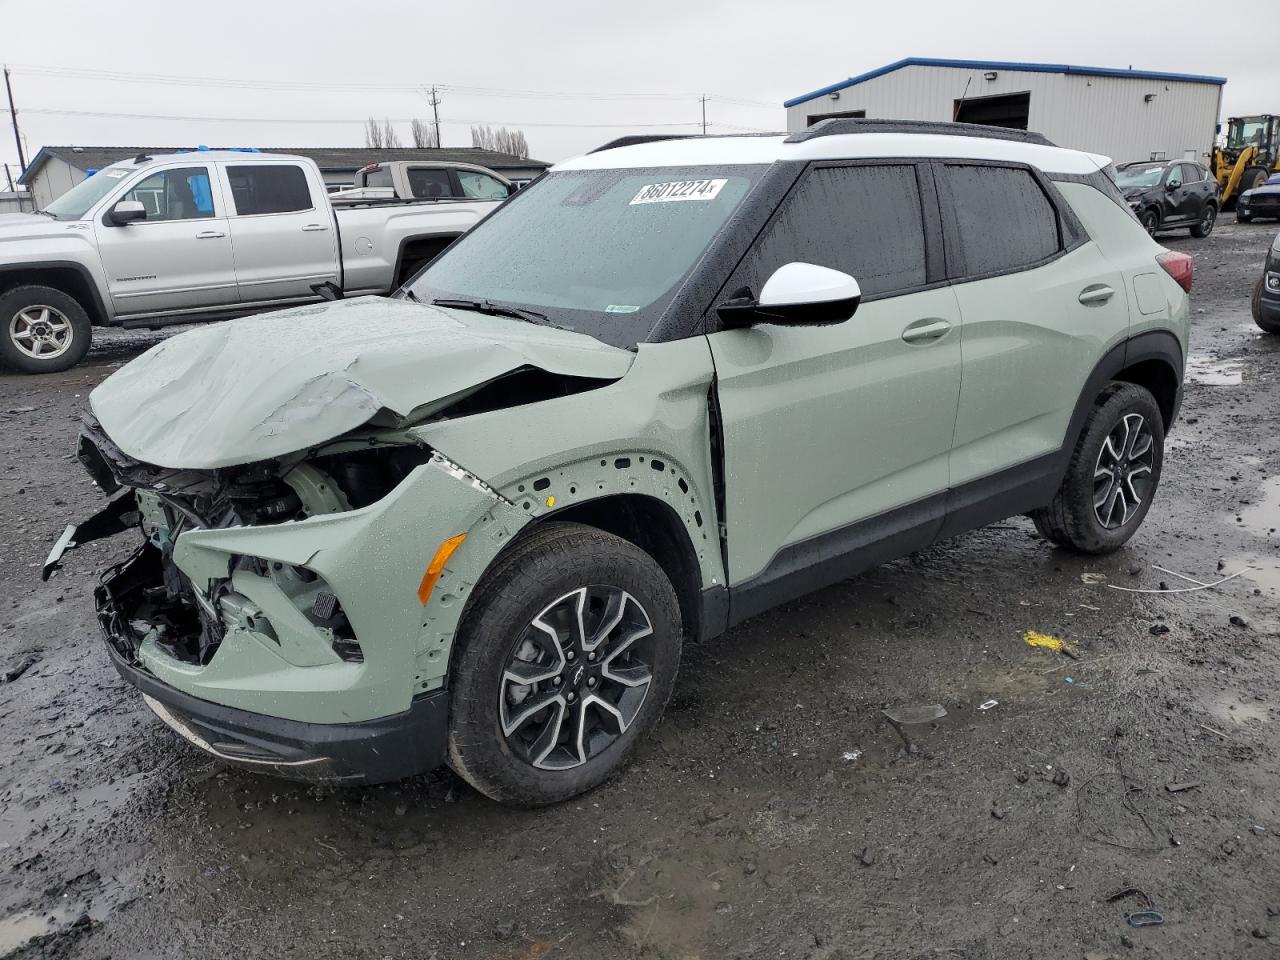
(1003, 219)
(864, 220)
(269, 189)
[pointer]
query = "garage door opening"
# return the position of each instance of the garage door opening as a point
(851, 114)
(1006, 110)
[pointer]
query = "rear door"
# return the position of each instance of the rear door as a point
(827, 429)
(179, 257)
(1041, 305)
(281, 229)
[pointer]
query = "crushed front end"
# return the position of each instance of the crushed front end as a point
(267, 613)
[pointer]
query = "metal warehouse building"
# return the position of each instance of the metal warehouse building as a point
(1124, 114)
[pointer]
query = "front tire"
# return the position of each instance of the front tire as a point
(42, 330)
(1112, 475)
(566, 656)
(1207, 221)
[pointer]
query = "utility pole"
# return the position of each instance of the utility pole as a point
(17, 137)
(435, 110)
(703, 101)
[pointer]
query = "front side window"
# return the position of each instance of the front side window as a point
(178, 194)
(428, 183)
(269, 188)
(1003, 219)
(865, 221)
(1247, 132)
(601, 252)
(481, 186)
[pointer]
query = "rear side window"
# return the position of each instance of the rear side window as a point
(275, 188)
(380, 177)
(427, 183)
(1003, 219)
(864, 220)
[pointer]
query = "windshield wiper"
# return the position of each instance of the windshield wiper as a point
(498, 310)
(410, 295)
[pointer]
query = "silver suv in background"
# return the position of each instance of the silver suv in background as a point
(201, 236)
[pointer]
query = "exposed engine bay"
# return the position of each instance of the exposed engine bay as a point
(148, 598)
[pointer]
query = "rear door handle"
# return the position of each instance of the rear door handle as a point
(209, 235)
(312, 227)
(1097, 293)
(926, 330)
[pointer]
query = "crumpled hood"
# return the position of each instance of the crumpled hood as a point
(275, 383)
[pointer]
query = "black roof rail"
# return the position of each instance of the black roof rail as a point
(838, 126)
(632, 140)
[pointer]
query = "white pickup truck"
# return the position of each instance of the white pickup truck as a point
(204, 235)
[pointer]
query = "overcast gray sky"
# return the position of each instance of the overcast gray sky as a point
(571, 74)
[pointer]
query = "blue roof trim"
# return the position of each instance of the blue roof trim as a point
(1067, 68)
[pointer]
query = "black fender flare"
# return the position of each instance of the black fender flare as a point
(97, 310)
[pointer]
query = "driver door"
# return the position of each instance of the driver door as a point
(179, 257)
(836, 438)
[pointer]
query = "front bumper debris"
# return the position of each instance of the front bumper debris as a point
(119, 515)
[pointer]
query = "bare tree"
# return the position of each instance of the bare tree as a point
(389, 136)
(373, 134)
(501, 140)
(423, 133)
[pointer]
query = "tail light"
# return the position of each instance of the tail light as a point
(1178, 266)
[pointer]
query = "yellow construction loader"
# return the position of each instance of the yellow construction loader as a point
(1250, 155)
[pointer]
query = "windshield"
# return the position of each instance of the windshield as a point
(75, 203)
(1246, 132)
(1143, 176)
(598, 251)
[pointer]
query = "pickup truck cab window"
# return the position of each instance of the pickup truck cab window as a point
(601, 251)
(481, 186)
(427, 183)
(182, 193)
(275, 188)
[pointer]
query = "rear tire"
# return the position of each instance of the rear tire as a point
(604, 687)
(1255, 307)
(42, 330)
(1253, 177)
(1207, 221)
(1150, 221)
(1112, 475)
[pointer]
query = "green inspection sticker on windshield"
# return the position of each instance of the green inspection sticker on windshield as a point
(620, 308)
(674, 190)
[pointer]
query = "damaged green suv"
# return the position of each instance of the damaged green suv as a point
(670, 385)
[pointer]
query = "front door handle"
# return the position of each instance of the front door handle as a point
(312, 227)
(1097, 293)
(209, 235)
(926, 330)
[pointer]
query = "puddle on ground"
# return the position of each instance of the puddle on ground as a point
(1231, 708)
(1264, 572)
(1262, 517)
(1215, 373)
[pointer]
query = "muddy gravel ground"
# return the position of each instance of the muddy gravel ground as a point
(776, 812)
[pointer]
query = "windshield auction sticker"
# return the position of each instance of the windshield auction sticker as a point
(674, 190)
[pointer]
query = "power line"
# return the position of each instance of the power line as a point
(111, 115)
(119, 76)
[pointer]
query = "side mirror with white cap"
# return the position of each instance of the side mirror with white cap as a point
(796, 295)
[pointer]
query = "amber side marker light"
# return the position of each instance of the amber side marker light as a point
(436, 566)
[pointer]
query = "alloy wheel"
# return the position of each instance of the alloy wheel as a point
(576, 677)
(1210, 217)
(1122, 474)
(41, 332)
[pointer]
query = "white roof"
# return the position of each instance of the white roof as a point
(203, 156)
(715, 151)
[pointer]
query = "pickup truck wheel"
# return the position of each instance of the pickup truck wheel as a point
(566, 656)
(44, 330)
(1112, 475)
